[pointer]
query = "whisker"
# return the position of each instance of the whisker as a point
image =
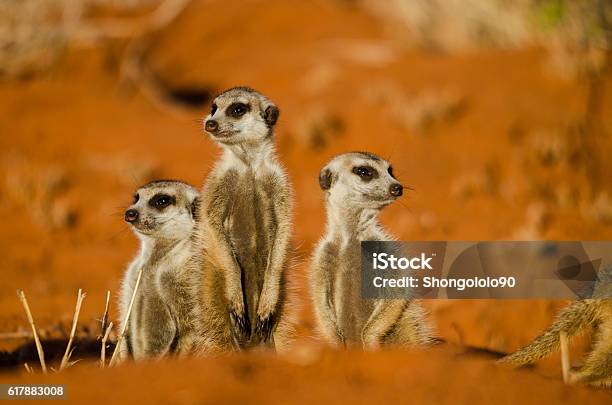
(116, 214)
(405, 206)
(116, 235)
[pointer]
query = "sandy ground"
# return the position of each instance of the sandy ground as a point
(466, 131)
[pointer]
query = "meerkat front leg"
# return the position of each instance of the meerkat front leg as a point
(217, 210)
(159, 328)
(277, 260)
(322, 287)
(326, 316)
(385, 315)
(178, 289)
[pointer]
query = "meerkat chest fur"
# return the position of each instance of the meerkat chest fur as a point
(250, 218)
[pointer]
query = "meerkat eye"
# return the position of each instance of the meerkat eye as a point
(213, 109)
(365, 172)
(161, 201)
(390, 171)
(237, 110)
(136, 198)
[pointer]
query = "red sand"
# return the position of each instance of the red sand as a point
(104, 141)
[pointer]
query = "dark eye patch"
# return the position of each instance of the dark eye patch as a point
(161, 201)
(390, 171)
(136, 198)
(237, 110)
(213, 109)
(366, 173)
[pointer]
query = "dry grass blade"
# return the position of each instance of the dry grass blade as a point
(66, 359)
(125, 322)
(105, 316)
(28, 368)
(104, 339)
(41, 353)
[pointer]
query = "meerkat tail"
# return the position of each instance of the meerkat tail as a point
(570, 320)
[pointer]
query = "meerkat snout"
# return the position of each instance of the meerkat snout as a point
(396, 190)
(131, 215)
(211, 126)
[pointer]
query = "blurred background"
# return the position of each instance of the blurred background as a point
(497, 114)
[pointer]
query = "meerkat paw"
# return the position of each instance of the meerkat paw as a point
(370, 341)
(264, 326)
(340, 337)
(266, 316)
(241, 327)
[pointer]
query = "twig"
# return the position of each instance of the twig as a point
(565, 359)
(104, 339)
(125, 321)
(105, 316)
(41, 354)
(28, 368)
(75, 319)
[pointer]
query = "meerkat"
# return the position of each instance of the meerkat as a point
(165, 316)
(246, 219)
(357, 187)
(579, 315)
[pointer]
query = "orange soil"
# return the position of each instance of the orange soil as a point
(79, 121)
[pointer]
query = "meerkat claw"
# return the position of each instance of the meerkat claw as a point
(264, 326)
(240, 325)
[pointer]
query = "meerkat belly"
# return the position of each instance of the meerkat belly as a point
(251, 228)
(352, 311)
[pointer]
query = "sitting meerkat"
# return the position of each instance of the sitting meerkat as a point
(594, 312)
(357, 187)
(246, 220)
(165, 316)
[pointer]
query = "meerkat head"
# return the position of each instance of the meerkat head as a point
(164, 209)
(241, 115)
(361, 180)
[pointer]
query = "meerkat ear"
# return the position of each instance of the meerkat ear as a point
(326, 178)
(270, 115)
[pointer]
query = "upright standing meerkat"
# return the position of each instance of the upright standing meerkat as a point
(575, 318)
(357, 187)
(246, 217)
(165, 317)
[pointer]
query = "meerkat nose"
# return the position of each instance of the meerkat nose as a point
(211, 125)
(131, 215)
(396, 190)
